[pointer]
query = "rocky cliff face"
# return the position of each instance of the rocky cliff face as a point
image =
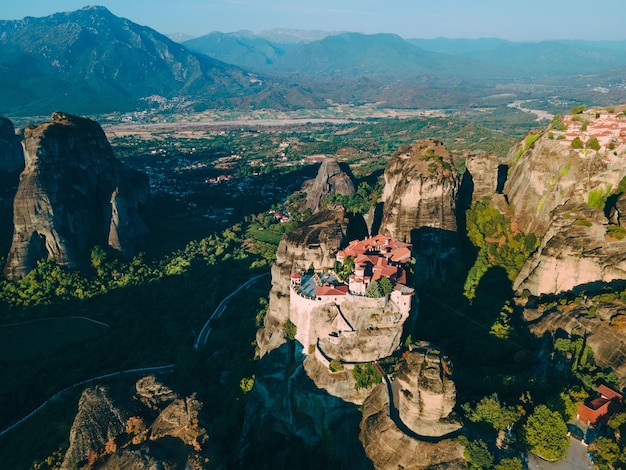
(332, 178)
(482, 176)
(73, 194)
(420, 196)
(11, 152)
(549, 173)
(576, 250)
(285, 404)
(315, 242)
(602, 321)
(98, 420)
(424, 395)
(112, 434)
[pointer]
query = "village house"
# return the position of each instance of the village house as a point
(599, 409)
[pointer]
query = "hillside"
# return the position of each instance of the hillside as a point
(91, 61)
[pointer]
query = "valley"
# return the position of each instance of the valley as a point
(309, 250)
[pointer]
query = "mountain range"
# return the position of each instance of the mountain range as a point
(90, 61)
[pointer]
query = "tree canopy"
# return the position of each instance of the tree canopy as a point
(545, 434)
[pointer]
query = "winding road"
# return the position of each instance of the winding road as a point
(206, 329)
(394, 414)
(199, 344)
(142, 370)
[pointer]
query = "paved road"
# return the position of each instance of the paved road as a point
(394, 413)
(577, 459)
(142, 370)
(206, 329)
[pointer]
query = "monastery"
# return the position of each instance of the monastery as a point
(335, 314)
(608, 128)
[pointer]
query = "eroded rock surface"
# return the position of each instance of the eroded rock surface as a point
(425, 392)
(389, 448)
(482, 174)
(332, 178)
(420, 197)
(315, 242)
(549, 174)
(73, 194)
(112, 434)
(576, 250)
(98, 421)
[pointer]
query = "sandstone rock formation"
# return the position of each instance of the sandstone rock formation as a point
(98, 421)
(420, 196)
(482, 173)
(549, 173)
(576, 250)
(112, 434)
(11, 152)
(604, 330)
(73, 194)
(315, 242)
(373, 326)
(332, 178)
(286, 406)
(424, 396)
(389, 448)
(341, 384)
(153, 393)
(180, 420)
(425, 391)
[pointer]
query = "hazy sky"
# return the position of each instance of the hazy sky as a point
(508, 19)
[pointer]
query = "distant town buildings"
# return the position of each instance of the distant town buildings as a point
(608, 128)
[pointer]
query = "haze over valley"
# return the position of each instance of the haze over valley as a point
(327, 237)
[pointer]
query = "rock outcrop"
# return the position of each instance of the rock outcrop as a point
(602, 321)
(576, 251)
(98, 421)
(426, 393)
(112, 434)
(73, 194)
(315, 242)
(550, 173)
(11, 152)
(286, 406)
(417, 435)
(332, 178)
(420, 196)
(482, 175)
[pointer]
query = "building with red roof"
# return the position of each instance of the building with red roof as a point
(599, 409)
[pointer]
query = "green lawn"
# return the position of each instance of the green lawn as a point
(267, 236)
(34, 340)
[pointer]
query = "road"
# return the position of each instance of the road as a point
(577, 459)
(394, 414)
(206, 329)
(142, 370)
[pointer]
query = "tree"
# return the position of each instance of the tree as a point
(577, 143)
(373, 290)
(489, 410)
(290, 330)
(545, 434)
(386, 287)
(604, 451)
(593, 144)
(478, 456)
(366, 375)
(509, 464)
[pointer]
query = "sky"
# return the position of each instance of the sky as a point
(517, 20)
